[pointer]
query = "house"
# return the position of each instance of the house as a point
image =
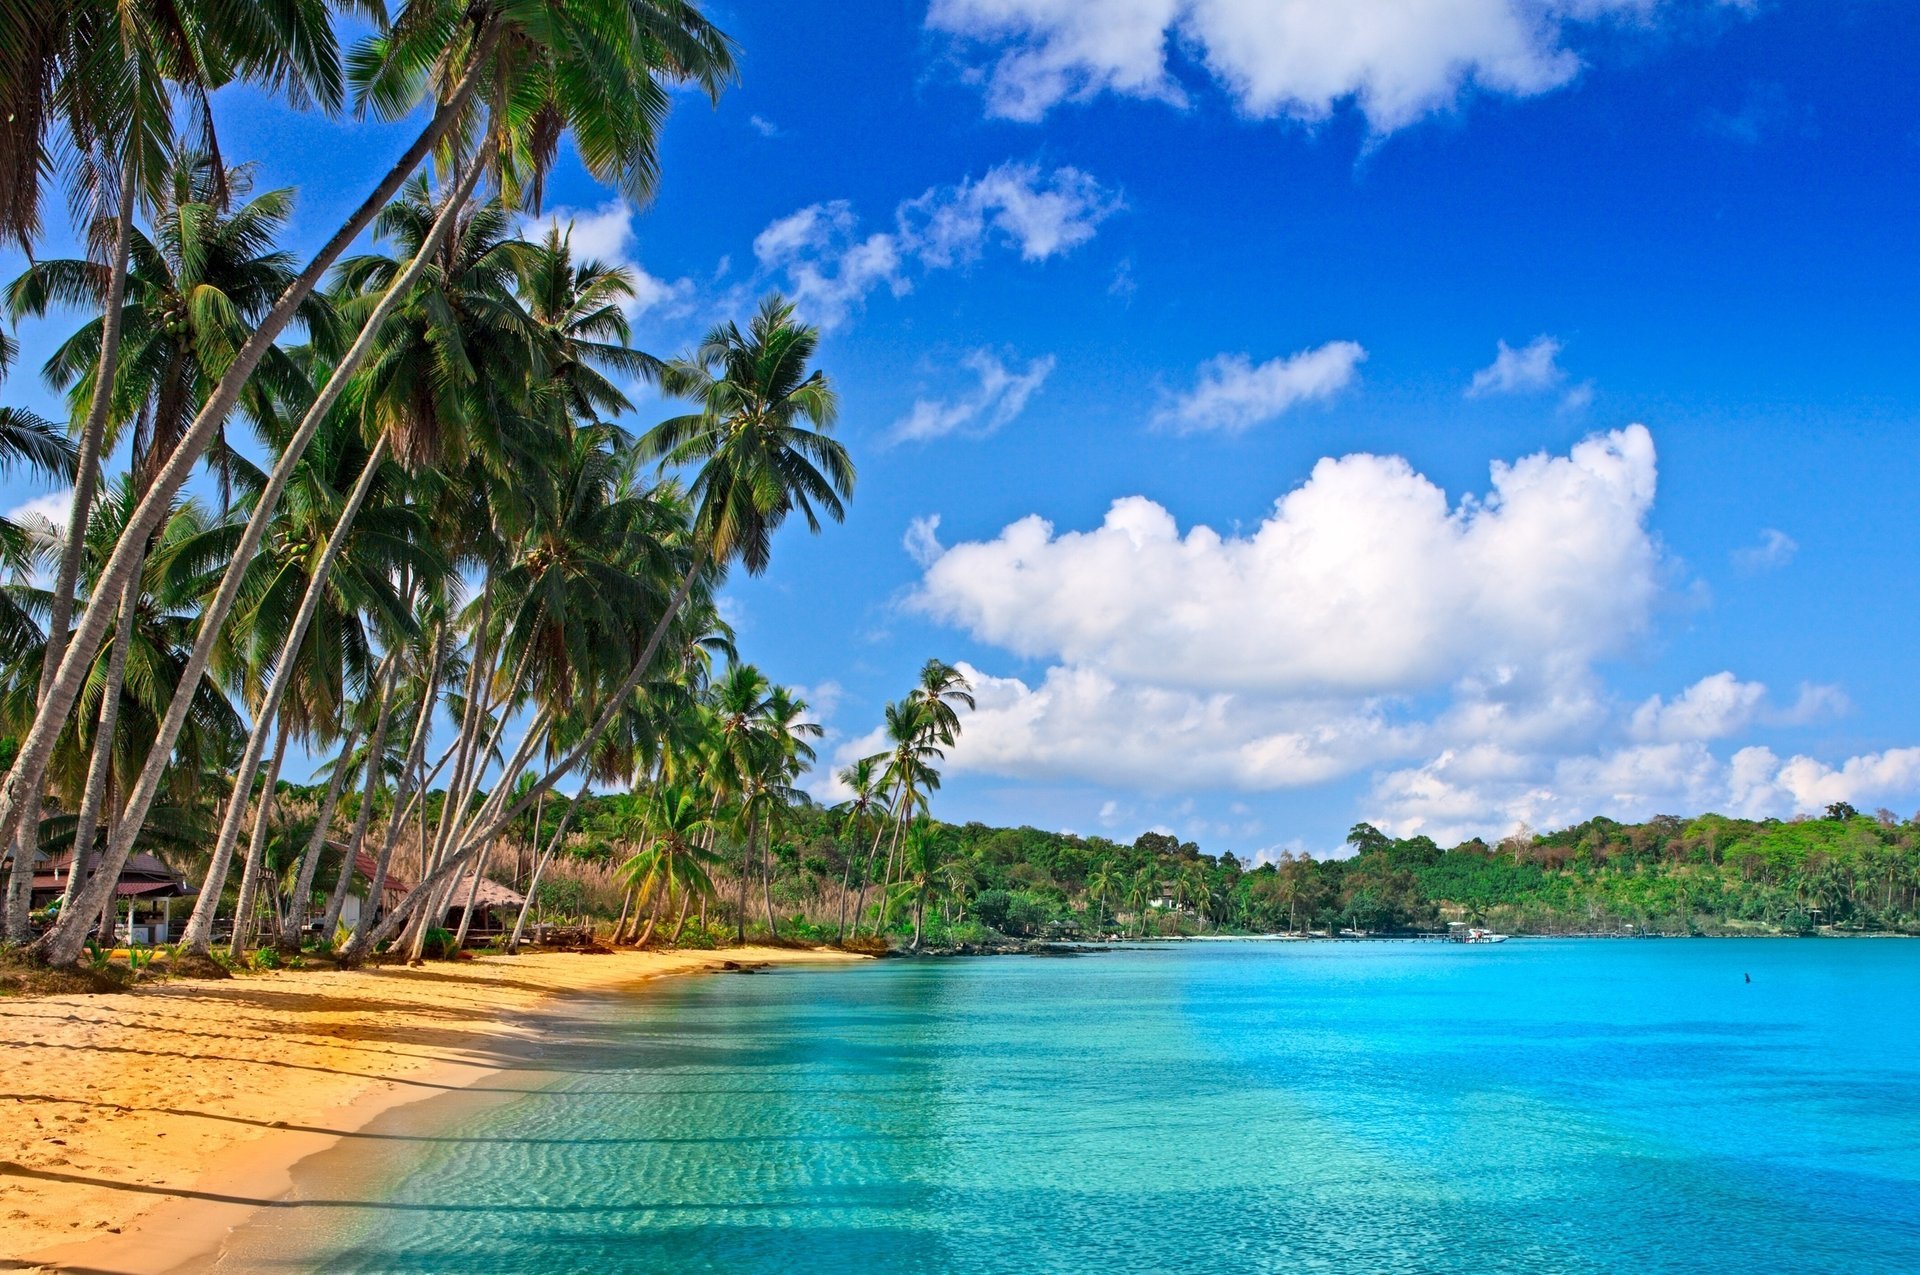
(146, 890)
(392, 890)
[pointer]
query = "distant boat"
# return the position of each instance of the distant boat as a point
(1478, 935)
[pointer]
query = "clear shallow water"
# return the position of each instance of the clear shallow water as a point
(1537, 1106)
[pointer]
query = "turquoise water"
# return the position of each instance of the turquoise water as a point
(1536, 1106)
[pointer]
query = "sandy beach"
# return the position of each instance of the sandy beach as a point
(140, 1127)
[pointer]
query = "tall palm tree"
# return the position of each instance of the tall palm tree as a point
(761, 453)
(195, 286)
(578, 68)
(863, 780)
(941, 688)
(109, 740)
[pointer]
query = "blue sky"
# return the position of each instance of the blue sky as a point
(1187, 255)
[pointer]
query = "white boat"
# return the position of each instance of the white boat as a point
(1478, 935)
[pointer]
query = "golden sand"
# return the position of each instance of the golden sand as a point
(137, 1128)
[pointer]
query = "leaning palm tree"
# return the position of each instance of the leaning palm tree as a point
(195, 287)
(109, 739)
(89, 90)
(761, 453)
(578, 68)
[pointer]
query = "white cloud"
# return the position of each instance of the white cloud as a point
(1492, 792)
(1363, 579)
(1041, 214)
(53, 508)
(1529, 369)
(922, 541)
(763, 126)
(831, 267)
(1445, 651)
(1712, 708)
(1395, 61)
(1234, 394)
(1000, 396)
(606, 234)
(1775, 549)
(822, 699)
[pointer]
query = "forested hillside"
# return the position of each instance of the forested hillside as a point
(1845, 872)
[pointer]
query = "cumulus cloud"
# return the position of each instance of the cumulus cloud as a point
(1712, 708)
(1533, 367)
(1041, 214)
(1234, 394)
(1000, 396)
(1775, 549)
(831, 265)
(1364, 579)
(54, 509)
(606, 234)
(1444, 650)
(1392, 60)
(1492, 791)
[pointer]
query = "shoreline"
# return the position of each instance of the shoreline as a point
(166, 1117)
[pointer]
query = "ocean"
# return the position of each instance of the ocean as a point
(1541, 1105)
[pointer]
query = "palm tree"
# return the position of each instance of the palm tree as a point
(561, 69)
(312, 614)
(110, 739)
(919, 871)
(863, 780)
(1101, 882)
(672, 861)
(192, 292)
(941, 687)
(761, 452)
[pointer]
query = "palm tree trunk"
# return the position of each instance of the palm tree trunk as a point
(86, 480)
(436, 882)
(653, 917)
(296, 917)
(28, 771)
(455, 817)
(540, 866)
(626, 906)
(846, 883)
(363, 817)
(473, 892)
(766, 878)
(866, 877)
(53, 944)
(100, 766)
(681, 924)
(746, 874)
(410, 769)
(243, 918)
(471, 713)
(616, 703)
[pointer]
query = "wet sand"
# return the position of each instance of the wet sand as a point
(139, 1128)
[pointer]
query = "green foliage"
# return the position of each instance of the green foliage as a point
(560, 897)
